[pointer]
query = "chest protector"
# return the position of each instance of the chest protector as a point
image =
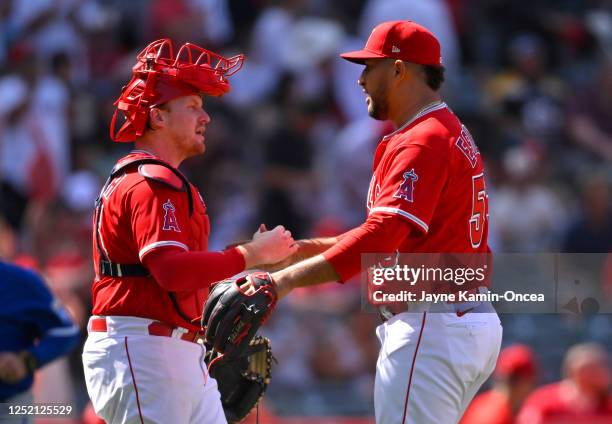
(186, 304)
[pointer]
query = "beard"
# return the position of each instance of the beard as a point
(378, 107)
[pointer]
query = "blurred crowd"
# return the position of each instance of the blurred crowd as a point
(292, 144)
(581, 396)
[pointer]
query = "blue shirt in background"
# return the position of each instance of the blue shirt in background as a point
(32, 319)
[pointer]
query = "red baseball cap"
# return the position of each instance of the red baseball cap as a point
(403, 40)
(514, 360)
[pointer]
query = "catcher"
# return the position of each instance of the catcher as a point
(153, 268)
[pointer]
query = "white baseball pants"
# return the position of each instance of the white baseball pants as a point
(431, 365)
(133, 377)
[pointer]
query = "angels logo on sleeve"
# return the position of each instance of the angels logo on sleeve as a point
(170, 222)
(406, 188)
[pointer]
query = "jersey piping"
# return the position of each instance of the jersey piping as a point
(426, 111)
(402, 213)
(157, 244)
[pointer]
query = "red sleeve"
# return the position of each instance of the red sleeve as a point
(341, 236)
(159, 218)
(177, 270)
(380, 233)
(411, 184)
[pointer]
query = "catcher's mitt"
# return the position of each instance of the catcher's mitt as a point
(242, 380)
(234, 311)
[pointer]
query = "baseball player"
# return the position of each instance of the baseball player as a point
(582, 396)
(427, 194)
(153, 269)
(514, 378)
(34, 330)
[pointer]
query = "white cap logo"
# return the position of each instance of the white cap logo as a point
(395, 49)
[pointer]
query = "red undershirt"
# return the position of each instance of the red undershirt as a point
(380, 233)
(177, 270)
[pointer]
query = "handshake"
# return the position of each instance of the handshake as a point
(269, 249)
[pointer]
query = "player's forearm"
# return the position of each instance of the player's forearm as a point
(61, 341)
(177, 270)
(250, 255)
(342, 260)
(379, 234)
(310, 272)
(307, 248)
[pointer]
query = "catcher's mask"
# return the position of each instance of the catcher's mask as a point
(158, 77)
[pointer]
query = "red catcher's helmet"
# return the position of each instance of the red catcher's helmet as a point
(159, 77)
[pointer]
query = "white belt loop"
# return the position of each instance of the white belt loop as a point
(178, 332)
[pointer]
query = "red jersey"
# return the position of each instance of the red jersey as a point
(137, 216)
(428, 176)
(490, 407)
(430, 172)
(552, 404)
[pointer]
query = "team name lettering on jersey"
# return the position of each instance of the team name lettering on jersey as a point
(112, 186)
(466, 144)
(406, 188)
(170, 222)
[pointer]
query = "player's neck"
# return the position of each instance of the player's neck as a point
(412, 107)
(159, 147)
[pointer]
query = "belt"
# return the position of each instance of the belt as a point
(156, 328)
